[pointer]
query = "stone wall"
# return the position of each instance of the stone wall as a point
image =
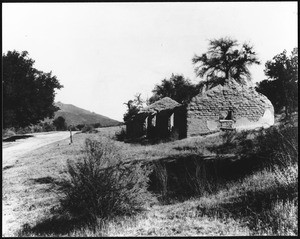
(247, 108)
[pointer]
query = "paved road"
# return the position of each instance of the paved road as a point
(11, 151)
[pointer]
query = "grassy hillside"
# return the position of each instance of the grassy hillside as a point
(75, 116)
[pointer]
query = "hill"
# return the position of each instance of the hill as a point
(75, 116)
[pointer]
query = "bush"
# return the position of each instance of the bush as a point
(36, 128)
(264, 147)
(24, 130)
(97, 125)
(48, 127)
(73, 128)
(87, 128)
(8, 132)
(102, 186)
(121, 135)
(80, 126)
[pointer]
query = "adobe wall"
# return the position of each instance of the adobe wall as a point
(136, 128)
(250, 109)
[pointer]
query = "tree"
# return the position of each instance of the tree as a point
(281, 87)
(28, 94)
(177, 88)
(133, 106)
(60, 123)
(225, 60)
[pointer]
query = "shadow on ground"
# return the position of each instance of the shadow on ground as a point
(16, 137)
(194, 174)
(55, 225)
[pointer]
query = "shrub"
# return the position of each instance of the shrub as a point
(73, 128)
(102, 186)
(80, 126)
(87, 128)
(48, 127)
(36, 128)
(97, 125)
(263, 147)
(8, 132)
(24, 130)
(120, 135)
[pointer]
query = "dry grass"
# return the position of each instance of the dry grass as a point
(253, 205)
(27, 196)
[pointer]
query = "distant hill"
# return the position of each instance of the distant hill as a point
(75, 116)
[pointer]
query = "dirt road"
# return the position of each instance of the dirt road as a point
(15, 177)
(11, 151)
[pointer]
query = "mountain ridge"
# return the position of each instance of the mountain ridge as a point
(75, 115)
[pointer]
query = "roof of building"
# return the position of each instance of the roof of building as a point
(165, 103)
(232, 91)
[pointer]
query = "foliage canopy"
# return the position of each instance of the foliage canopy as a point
(28, 94)
(225, 60)
(176, 87)
(133, 106)
(281, 87)
(60, 123)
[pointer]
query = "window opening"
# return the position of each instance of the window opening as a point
(229, 115)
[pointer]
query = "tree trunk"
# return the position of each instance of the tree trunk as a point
(227, 74)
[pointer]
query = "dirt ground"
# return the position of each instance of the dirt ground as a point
(11, 151)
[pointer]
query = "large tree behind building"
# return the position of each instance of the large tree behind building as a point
(28, 94)
(281, 87)
(133, 107)
(225, 59)
(176, 87)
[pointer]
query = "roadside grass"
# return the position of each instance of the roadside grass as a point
(27, 187)
(26, 193)
(235, 211)
(201, 190)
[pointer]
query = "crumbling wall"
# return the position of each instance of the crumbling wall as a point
(136, 127)
(248, 109)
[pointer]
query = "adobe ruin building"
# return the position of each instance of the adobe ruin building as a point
(158, 120)
(228, 106)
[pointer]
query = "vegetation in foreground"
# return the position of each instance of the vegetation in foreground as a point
(195, 187)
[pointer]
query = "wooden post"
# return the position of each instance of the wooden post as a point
(71, 140)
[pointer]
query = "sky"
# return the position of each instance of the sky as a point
(105, 53)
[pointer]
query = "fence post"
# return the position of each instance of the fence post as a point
(71, 140)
